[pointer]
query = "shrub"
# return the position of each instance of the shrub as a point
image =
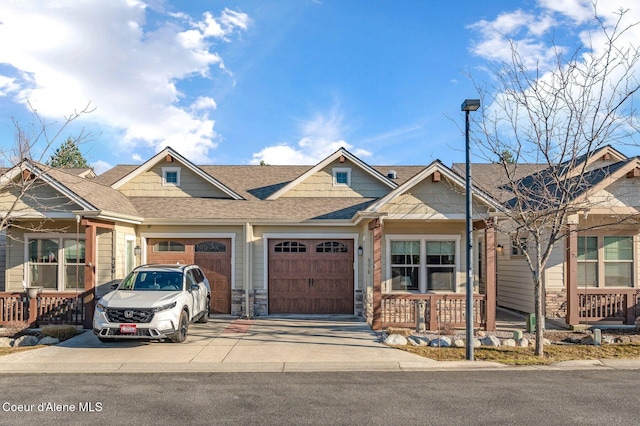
(12, 328)
(61, 332)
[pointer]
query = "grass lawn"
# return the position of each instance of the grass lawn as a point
(525, 356)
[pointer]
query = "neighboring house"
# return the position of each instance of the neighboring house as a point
(340, 237)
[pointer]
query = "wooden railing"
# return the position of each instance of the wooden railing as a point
(599, 304)
(401, 310)
(47, 308)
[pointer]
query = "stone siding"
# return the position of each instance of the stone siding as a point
(556, 304)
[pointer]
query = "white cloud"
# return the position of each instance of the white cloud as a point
(69, 53)
(100, 167)
(320, 136)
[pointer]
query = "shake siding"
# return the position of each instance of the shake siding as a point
(321, 184)
(621, 193)
(600, 164)
(40, 199)
(149, 184)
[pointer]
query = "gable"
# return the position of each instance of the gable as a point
(428, 198)
(322, 183)
(150, 183)
(621, 192)
(41, 199)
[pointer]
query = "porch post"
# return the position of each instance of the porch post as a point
(375, 226)
(571, 283)
(89, 273)
(490, 276)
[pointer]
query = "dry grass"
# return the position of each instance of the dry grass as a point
(7, 351)
(62, 332)
(525, 356)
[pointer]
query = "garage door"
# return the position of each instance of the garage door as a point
(212, 255)
(311, 276)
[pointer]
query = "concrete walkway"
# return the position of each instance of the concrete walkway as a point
(268, 344)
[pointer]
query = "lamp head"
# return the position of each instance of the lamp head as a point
(470, 105)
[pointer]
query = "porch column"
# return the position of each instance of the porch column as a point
(89, 273)
(375, 226)
(571, 283)
(490, 276)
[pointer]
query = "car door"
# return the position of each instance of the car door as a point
(198, 297)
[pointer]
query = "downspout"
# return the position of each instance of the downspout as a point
(248, 238)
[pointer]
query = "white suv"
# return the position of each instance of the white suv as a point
(154, 302)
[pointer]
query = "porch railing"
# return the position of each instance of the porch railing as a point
(401, 310)
(599, 304)
(47, 308)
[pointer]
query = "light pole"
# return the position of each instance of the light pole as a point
(469, 105)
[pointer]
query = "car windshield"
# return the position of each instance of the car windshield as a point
(152, 281)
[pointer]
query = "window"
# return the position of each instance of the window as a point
(56, 263)
(422, 264)
(518, 247)
(341, 177)
(172, 246)
(290, 247)
(605, 261)
(405, 265)
(211, 247)
(331, 247)
(171, 176)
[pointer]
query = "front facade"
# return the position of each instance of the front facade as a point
(339, 237)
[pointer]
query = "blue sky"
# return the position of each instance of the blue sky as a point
(284, 81)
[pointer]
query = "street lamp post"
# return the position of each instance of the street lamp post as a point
(469, 105)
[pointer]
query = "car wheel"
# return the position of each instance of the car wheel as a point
(181, 334)
(204, 318)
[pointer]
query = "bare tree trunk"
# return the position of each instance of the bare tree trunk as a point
(537, 294)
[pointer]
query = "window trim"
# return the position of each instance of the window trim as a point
(165, 171)
(60, 262)
(338, 170)
(423, 238)
(601, 262)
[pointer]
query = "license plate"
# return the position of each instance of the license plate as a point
(128, 328)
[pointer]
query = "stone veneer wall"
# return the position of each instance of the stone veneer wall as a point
(556, 304)
(367, 312)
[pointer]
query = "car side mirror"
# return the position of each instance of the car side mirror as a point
(114, 286)
(194, 287)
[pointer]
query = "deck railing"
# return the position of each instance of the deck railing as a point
(599, 304)
(47, 308)
(401, 310)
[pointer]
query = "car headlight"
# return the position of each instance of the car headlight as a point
(164, 307)
(101, 307)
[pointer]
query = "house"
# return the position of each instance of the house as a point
(339, 237)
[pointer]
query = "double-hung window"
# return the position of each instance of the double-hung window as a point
(605, 261)
(422, 263)
(56, 262)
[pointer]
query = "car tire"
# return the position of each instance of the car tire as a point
(204, 318)
(181, 334)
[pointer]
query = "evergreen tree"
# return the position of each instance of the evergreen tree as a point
(68, 155)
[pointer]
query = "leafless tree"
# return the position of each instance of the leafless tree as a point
(550, 119)
(22, 166)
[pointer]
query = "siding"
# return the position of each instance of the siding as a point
(3, 259)
(320, 184)
(515, 287)
(149, 184)
(621, 193)
(40, 199)
(105, 255)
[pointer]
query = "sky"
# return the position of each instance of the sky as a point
(245, 81)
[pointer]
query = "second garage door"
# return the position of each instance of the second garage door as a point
(310, 276)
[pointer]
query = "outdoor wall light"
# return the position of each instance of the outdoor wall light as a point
(499, 248)
(137, 250)
(360, 251)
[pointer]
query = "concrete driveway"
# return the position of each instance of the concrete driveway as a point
(267, 344)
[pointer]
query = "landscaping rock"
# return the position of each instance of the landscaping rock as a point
(481, 333)
(459, 343)
(6, 342)
(523, 343)
(396, 339)
(48, 340)
(26, 341)
(419, 340)
(477, 343)
(441, 342)
(508, 342)
(490, 341)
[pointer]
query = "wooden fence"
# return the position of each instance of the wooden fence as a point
(401, 310)
(599, 304)
(47, 308)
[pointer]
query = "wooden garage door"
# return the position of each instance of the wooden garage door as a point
(311, 276)
(212, 255)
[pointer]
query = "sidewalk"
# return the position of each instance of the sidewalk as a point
(267, 344)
